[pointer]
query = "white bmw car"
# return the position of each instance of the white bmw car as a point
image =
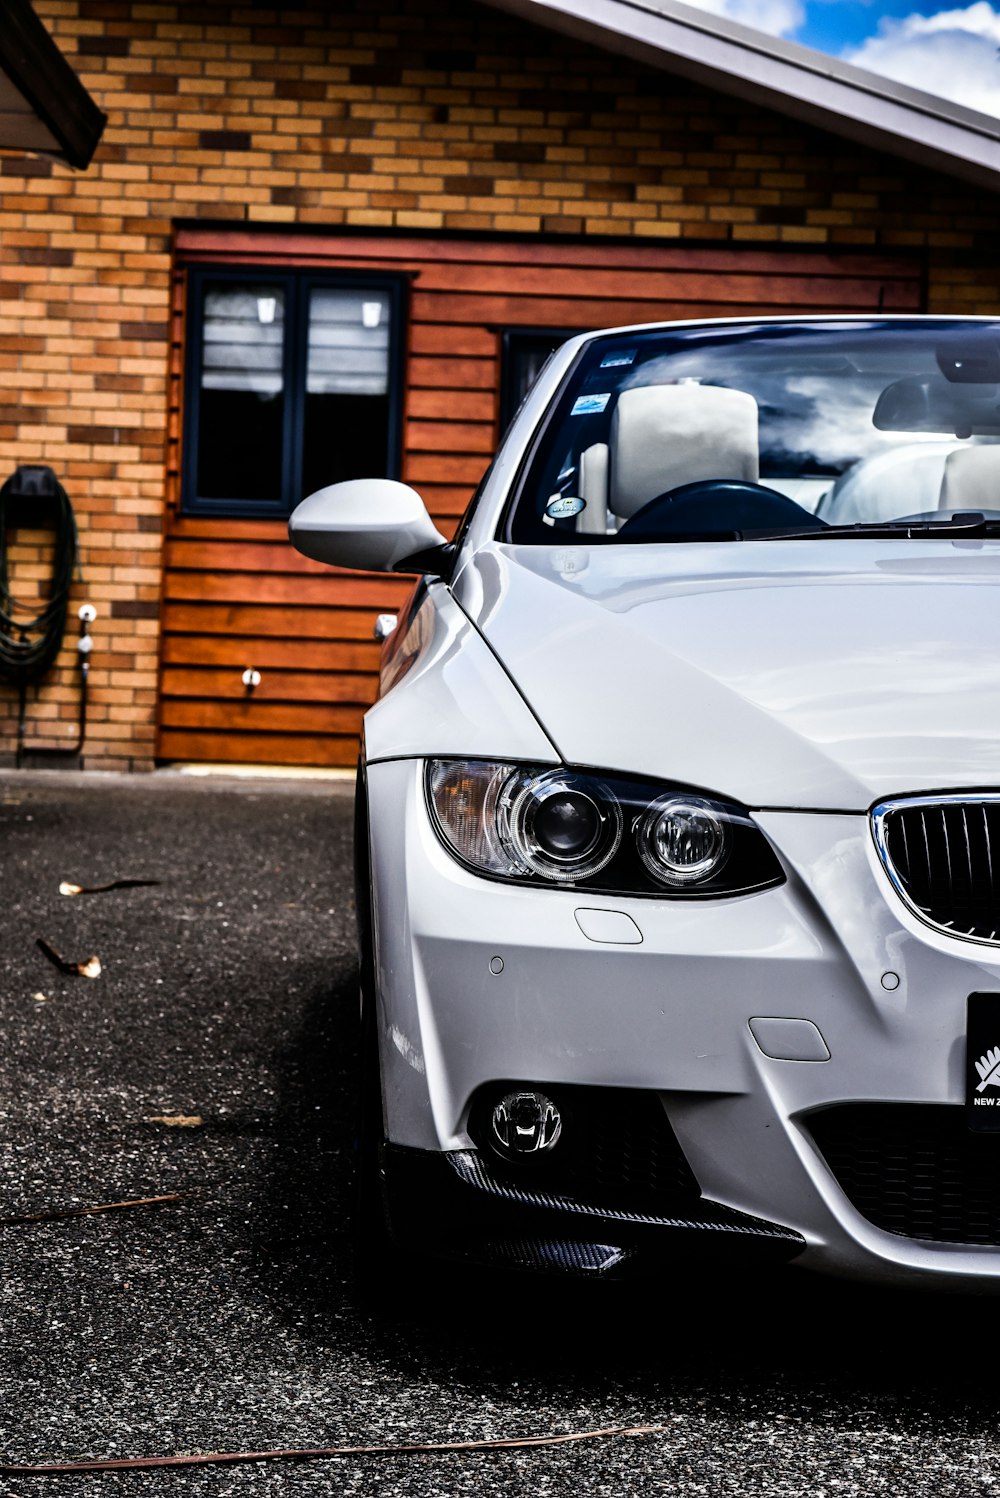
(679, 812)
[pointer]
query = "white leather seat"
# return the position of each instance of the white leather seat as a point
(593, 521)
(971, 479)
(663, 436)
(904, 480)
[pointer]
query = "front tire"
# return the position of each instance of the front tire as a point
(375, 1257)
(373, 1247)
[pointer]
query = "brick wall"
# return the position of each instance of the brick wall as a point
(428, 115)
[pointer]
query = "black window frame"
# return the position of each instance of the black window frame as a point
(297, 284)
(514, 341)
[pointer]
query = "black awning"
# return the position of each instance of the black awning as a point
(43, 105)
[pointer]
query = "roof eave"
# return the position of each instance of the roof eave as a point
(60, 118)
(783, 76)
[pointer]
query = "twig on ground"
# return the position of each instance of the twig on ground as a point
(315, 1453)
(57, 1212)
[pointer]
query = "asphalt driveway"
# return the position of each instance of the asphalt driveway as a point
(226, 1320)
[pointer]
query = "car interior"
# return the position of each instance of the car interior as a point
(690, 456)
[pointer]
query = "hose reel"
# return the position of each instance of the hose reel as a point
(31, 634)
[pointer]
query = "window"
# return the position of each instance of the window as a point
(735, 432)
(525, 351)
(293, 382)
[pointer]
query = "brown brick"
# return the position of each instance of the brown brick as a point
(151, 83)
(377, 75)
(104, 46)
(224, 140)
(44, 255)
(471, 187)
(346, 161)
(299, 88)
(98, 435)
(27, 166)
(519, 153)
(131, 608)
(145, 332)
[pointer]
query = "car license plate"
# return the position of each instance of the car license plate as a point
(982, 1063)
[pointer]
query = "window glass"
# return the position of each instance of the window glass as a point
(525, 352)
(348, 342)
(734, 432)
(241, 404)
(346, 417)
(293, 382)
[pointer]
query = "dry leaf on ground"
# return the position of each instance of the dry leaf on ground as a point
(90, 968)
(66, 888)
(178, 1120)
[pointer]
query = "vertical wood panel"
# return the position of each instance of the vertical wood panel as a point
(236, 595)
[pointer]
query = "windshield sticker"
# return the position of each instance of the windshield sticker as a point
(564, 506)
(589, 405)
(612, 361)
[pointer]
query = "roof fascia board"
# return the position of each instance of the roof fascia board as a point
(782, 76)
(42, 76)
(23, 131)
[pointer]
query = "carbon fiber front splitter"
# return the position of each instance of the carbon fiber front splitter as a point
(456, 1206)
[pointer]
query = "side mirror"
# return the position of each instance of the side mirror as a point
(375, 525)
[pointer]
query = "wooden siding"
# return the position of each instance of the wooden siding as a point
(237, 595)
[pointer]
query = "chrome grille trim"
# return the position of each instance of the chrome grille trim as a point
(964, 827)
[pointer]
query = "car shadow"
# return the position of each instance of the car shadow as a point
(732, 1338)
(301, 1242)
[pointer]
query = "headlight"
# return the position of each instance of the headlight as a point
(560, 826)
(604, 833)
(682, 840)
(464, 796)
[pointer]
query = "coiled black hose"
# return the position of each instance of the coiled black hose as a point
(29, 641)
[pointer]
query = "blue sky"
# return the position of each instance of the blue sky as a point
(950, 50)
(832, 25)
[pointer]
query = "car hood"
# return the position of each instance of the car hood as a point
(819, 674)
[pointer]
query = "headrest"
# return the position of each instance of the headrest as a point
(663, 436)
(904, 480)
(971, 479)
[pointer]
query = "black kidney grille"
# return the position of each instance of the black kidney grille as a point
(946, 857)
(914, 1169)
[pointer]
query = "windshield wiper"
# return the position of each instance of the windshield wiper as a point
(961, 523)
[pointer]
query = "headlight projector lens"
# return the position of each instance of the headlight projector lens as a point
(682, 841)
(562, 827)
(526, 1123)
(567, 824)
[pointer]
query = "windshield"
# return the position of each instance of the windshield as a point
(748, 431)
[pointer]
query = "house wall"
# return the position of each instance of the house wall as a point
(236, 595)
(435, 117)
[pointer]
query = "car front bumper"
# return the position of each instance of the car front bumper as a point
(481, 981)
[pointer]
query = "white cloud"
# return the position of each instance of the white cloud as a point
(778, 17)
(953, 54)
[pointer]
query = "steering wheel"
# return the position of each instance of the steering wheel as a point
(717, 505)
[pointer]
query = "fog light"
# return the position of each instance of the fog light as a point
(526, 1123)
